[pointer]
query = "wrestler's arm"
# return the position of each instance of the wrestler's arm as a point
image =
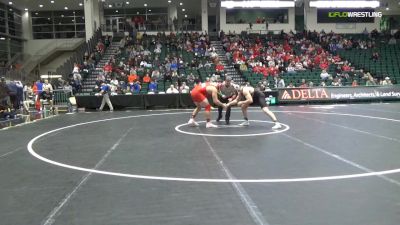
(248, 97)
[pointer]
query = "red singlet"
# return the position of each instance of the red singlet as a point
(199, 93)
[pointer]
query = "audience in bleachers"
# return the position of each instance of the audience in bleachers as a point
(152, 64)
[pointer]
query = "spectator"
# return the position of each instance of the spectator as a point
(219, 68)
(337, 82)
(190, 78)
(387, 82)
(184, 89)
(370, 81)
(108, 69)
(132, 78)
(155, 75)
(48, 97)
(153, 87)
(76, 68)
(325, 75)
(77, 81)
(135, 87)
(146, 78)
(172, 90)
(280, 83)
(290, 85)
(303, 83)
(47, 86)
(354, 83)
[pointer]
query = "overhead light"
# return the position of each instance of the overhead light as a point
(180, 3)
(66, 8)
(10, 10)
(344, 4)
(52, 1)
(73, 20)
(36, 14)
(137, 13)
(48, 18)
(110, 6)
(26, 9)
(169, 1)
(41, 6)
(80, 4)
(185, 16)
(145, 5)
(62, 15)
(116, 11)
(2, 38)
(10, 3)
(73, 12)
(257, 4)
(387, 8)
(149, 10)
(103, 0)
(127, 3)
(183, 10)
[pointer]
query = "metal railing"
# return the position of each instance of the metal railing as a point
(61, 97)
(152, 27)
(77, 57)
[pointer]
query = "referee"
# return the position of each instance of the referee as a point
(105, 91)
(226, 94)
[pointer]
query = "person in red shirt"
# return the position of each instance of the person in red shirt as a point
(273, 71)
(108, 69)
(100, 46)
(346, 67)
(324, 65)
(287, 57)
(219, 68)
(132, 78)
(146, 78)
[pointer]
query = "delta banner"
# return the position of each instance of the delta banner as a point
(338, 94)
(339, 15)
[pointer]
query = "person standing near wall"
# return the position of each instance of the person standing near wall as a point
(105, 91)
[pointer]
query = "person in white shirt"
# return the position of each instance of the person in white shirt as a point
(172, 90)
(324, 75)
(157, 51)
(184, 89)
(47, 86)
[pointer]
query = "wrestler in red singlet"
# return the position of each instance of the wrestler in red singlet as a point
(199, 97)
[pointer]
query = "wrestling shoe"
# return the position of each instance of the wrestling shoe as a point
(211, 125)
(245, 123)
(193, 123)
(277, 126)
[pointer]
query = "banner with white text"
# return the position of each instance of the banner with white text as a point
(338, 93)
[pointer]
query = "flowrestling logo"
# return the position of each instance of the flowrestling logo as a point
(354, 14)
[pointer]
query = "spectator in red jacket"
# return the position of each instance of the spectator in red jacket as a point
(219, 68)
(108, 69)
